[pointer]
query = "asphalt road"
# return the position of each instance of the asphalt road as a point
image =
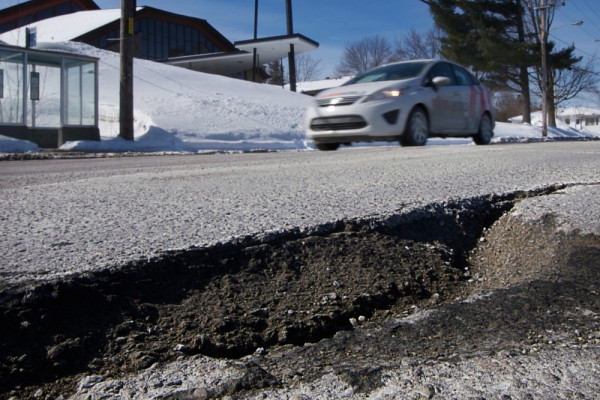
(61, 217)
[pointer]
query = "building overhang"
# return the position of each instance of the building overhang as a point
(277, 47)
(231, 64)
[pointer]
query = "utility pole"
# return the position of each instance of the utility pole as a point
(544, 21)
(291, 56)
(254, 55)
(126, 82)
(544, 40)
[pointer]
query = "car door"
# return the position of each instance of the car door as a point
(443, 117)
(466, 95)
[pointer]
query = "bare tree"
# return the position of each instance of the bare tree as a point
(417, 45)
(307, 68)
(365, 54)
(558, 67)
(566, 77)
(595, 91)
(507, 104)
(275, 70)
(568, 83)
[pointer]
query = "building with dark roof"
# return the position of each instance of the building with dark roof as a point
(160, 35)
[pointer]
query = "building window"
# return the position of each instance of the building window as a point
(8, 26)
(159, 40)
(44, 14)
(195, 42)
(63, 9)
(143, 29)
(27, 19)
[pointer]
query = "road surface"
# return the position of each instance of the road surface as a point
(434, 272)
(63, 216)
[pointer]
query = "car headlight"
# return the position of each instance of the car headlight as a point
(385, 94)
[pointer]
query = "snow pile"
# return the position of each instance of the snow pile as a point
(186, 111)
(10, 145)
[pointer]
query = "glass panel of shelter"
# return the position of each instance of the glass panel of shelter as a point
(11, 99)
(81, 93)
(44, 109)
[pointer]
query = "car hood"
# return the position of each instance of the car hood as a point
(364, 89)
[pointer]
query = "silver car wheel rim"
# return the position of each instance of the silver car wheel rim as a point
(419, 127)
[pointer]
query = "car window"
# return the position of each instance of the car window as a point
(440, 69)
(463, 78)
(405, 70)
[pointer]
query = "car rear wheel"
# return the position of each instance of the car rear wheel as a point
(417, 129)
(486, 130)
(327, 146)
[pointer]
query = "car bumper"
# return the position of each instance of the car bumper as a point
(358, 122)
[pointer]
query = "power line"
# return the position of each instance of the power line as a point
(567, 44)
(589, 21)
(590, 7)
(583, 16)
(571, 19)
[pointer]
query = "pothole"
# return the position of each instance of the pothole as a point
(237, 298)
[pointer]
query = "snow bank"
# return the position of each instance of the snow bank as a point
(10, 145)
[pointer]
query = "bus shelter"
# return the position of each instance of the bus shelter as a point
(48, 97)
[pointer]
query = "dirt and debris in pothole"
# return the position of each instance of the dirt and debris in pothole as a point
(240, 298)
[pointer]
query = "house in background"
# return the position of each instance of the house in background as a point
(582, 118)
(161, 36)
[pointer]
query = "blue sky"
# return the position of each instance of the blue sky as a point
(336, 23)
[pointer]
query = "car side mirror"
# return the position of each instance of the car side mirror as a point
(440, 81)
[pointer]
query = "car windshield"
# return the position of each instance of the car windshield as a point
(393, 72)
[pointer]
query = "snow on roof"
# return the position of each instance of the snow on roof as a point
(64, 27)
(570, 111)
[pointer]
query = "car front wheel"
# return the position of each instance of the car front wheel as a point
(486, 130)
(417, 129)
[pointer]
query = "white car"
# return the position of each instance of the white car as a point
(407, 101)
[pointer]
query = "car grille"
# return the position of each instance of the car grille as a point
(338, 123)
(338, 101)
